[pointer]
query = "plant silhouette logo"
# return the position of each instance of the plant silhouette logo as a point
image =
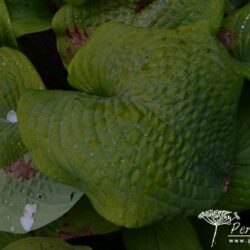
(218, 218)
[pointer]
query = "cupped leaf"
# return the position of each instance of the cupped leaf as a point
(41, 243)
(235, 34)
(7, 36)
(158, 111)
(238, 193)
(74, 25)
(173, 235)
(30, 200)
(16, 74)
(81, 220)
(29, 16)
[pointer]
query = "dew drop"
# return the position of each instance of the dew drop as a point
(12, 228)
(11, 116)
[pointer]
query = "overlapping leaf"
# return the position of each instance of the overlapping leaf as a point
(7, 238)
(174, 235)
(235, 34)
(81, 220)
(16, 74)
(238, 194)
(41, 243)
(7, 36)
(29, 16)
(23, 187)
(172, 14)
(73, 25)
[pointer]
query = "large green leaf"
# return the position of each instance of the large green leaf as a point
(73, 25)
(16, 74)
(7, 36)
(81, 220)
(43, 243)
(30, 200)
(177, 234)
(29, 16)
(158, 111)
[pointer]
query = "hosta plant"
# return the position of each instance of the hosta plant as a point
(150, 133)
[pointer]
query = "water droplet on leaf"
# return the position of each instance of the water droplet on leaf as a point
(11, 116)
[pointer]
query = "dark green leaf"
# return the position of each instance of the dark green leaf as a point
(16, 74)
(7, 238)
(29, 16)
(238, 193)
(30, 200)
(81, 220)
(235, 34)
(7, 36)
(43, 243)
(177, 234)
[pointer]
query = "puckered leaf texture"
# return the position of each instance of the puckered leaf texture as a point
(156, 113)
